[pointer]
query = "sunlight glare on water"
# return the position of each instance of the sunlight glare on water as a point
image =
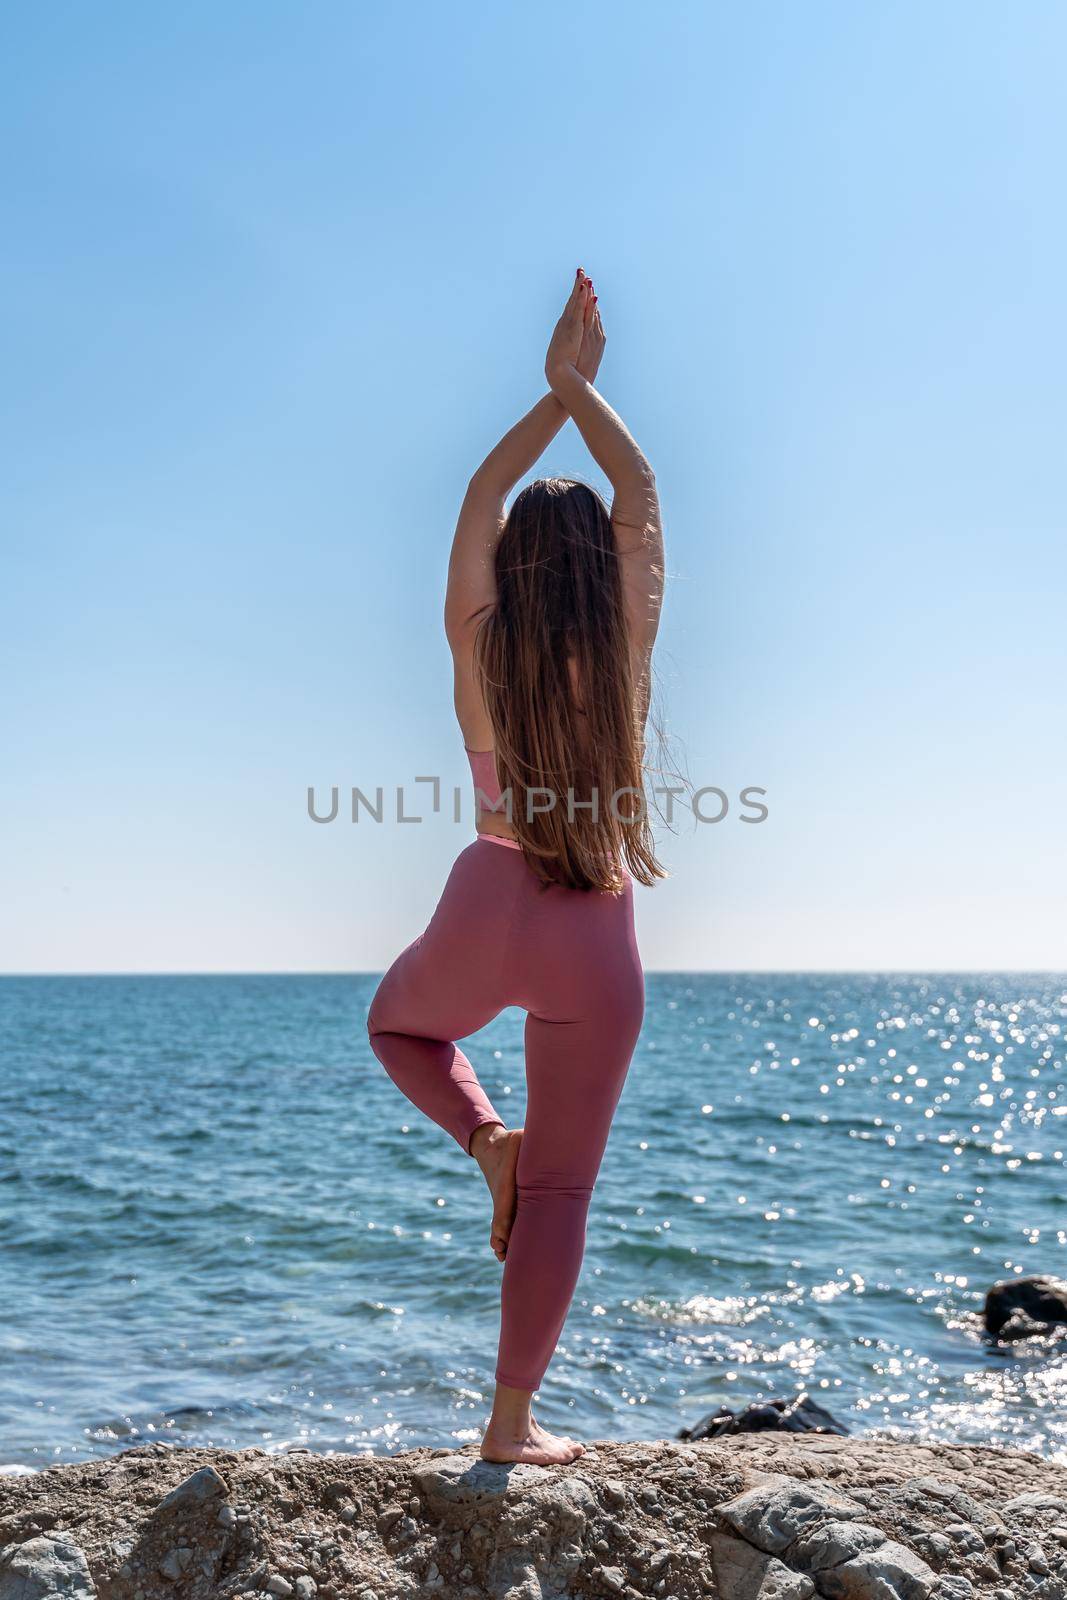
(224, 1224)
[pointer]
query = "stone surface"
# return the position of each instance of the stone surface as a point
(45, 1569)
(773, 1516)
(196, 1490)
(763, 1516)
(745, 1573)
(889, 1571)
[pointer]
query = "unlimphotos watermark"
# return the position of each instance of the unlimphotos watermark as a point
(708, 804)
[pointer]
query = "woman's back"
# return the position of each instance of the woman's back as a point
(552, 679)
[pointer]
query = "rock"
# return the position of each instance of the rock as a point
(966, 1538)
(195, 1491)
(774, 1515)
(468, 1481)
(170, 1567)
(831, 1543)
(761, 1516)
(816, 1532)
(1019, 1308)
(45, 1569)
(890, 1572)
(1020, 1326)
(742, 1573)
(800, 1415)
(1035, 1560)
(1035, 1502)
(389, 1519)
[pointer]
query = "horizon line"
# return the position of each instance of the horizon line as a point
(678, 972)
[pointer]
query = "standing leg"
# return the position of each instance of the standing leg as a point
(575, 1073)
(586, 1006)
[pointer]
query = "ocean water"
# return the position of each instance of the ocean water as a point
(221, 1223)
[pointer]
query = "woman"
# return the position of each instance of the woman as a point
(551, 613)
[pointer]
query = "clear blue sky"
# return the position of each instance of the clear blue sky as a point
(276, 276)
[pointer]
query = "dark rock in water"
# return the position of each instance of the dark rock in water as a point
(1022, 1308)
(800, 1415)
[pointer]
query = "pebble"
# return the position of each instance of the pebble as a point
(389, 1518)
(1035, 1560)
(198, 1488)
(276, 1584)
(306, 1587)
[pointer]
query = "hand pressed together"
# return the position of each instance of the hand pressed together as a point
(578, 338)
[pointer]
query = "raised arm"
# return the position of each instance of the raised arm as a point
(635, 513)
(471, 588)
(471, 582)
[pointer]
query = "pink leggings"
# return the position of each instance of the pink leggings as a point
(569, 958)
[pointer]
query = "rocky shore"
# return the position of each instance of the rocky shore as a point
(766, 1516)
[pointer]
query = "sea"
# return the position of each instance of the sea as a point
(222, 1224)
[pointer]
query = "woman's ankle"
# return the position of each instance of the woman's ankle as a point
(509, 1432)
(511, 1416)
(485, 1135)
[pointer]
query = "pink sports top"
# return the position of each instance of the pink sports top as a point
(483, 771)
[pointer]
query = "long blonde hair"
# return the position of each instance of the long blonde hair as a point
(560, 605)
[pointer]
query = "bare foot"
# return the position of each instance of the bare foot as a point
(497, 1153)
(537, 1446)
